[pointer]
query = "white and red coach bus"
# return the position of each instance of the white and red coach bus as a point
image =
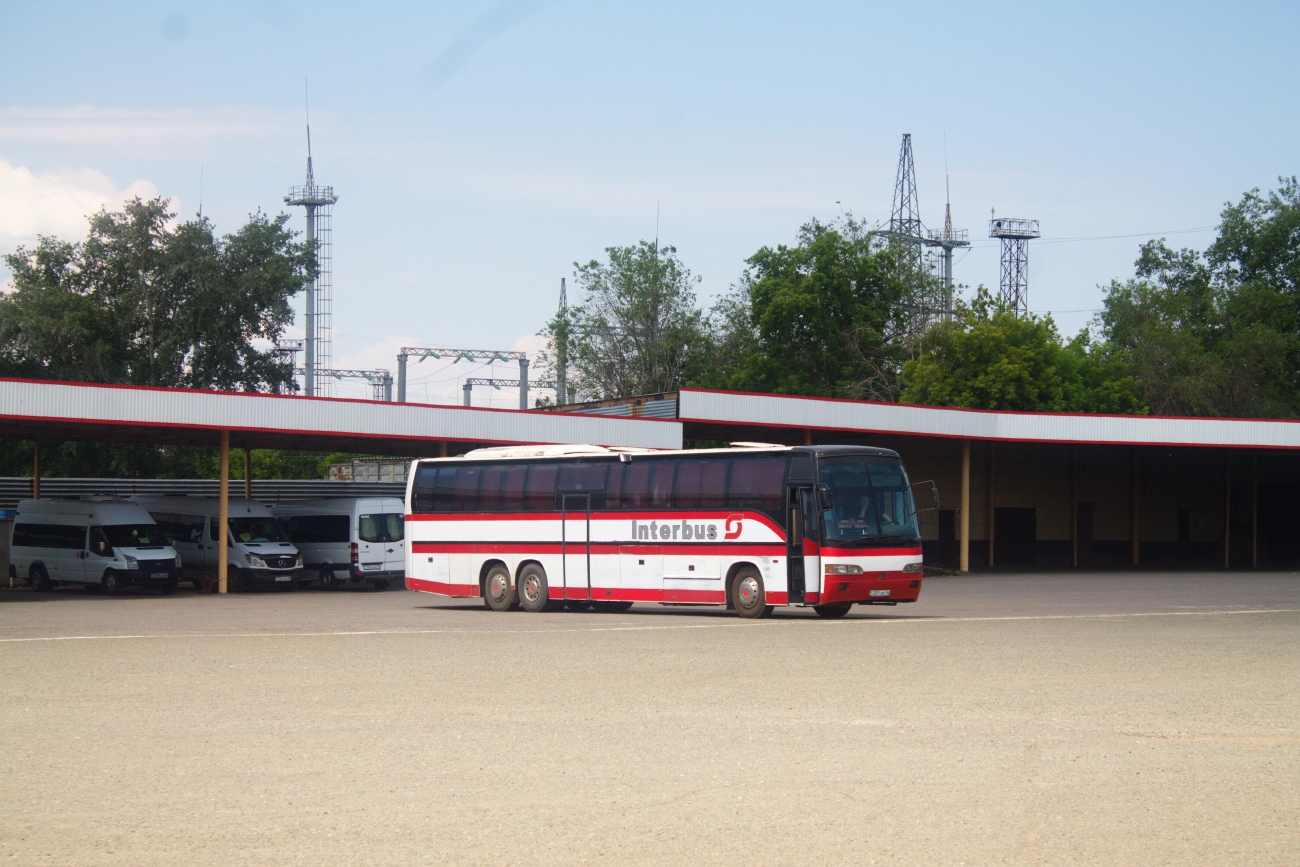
(747, 528)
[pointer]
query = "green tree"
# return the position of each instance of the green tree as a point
(827, 316)
(1216, 333)
(143, 302)
(987, 357)
(637, 329)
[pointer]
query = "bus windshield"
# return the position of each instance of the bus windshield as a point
(871, 501)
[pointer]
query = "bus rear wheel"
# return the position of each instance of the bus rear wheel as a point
(498, 594)
(534, 592)
(748, 595)
(834, 610)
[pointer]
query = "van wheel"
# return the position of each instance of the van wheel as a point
(111, 583)
(748, 595)
(39, 579)
(328, 581)
(234, 580)
(534, 592)
(197, 581)
(833, 611)
(380, 583)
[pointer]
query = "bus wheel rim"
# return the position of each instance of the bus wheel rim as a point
(748, 591)
(498, 587)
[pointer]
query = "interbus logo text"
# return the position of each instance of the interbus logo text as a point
(685, 531)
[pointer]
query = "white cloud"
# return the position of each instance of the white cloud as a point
(140, 129)
(56, 204)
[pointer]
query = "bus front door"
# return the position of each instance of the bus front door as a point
(802, 509)
(575, 545)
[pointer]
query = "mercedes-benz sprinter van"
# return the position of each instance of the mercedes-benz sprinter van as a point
(361, 537)
(96, 542)
(258, 553)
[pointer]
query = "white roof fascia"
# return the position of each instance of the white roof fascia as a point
(846, 415)
(284, 414)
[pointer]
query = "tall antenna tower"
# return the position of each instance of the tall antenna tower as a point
(562, 348)
(947, 239)
(318, 346)
(1016, 235)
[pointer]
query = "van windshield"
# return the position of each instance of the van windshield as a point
(256, 530)
(871, 501)
(134, 535)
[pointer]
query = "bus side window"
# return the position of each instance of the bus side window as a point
(637, 478)
(661, 489)
(614, 486)
(700, 484)
(422, 489)
(539, 496)
(758, 484)
(490, 496)
(585, 478)
(512, 488)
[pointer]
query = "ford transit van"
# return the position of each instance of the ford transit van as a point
(96, 542)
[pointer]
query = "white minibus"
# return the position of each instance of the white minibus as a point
(363, 537)
(258, 553)
(95, 542)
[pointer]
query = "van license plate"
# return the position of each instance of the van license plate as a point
(879, 592)
(159, 575)
(282, 577)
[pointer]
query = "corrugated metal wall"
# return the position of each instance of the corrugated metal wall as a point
(264, 490)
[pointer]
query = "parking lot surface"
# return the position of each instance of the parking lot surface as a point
(1023, 719)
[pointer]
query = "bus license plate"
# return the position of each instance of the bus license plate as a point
(879, 592)
(281, 577)
(159, 575)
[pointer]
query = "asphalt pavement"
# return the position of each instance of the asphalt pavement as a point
(1103, 718)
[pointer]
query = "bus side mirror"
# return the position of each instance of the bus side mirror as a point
(824, 498)
(934, 493)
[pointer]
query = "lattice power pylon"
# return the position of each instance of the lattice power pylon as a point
(905, 217)
(318, 346)
(1016, 235)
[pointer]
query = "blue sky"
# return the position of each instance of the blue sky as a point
(479, 149)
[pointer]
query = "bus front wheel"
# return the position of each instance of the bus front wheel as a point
(748, 595)
(498, 594)
(833, 610)
(534, 593)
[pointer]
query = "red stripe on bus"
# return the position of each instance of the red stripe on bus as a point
(685, 549)
(669, 518)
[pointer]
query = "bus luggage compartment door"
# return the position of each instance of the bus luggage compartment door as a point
(575, 545)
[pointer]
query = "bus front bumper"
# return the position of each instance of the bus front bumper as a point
(871, 588)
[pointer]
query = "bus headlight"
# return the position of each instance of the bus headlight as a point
(843, 569)
(256, 562)
(132, 563)
(912, 568)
